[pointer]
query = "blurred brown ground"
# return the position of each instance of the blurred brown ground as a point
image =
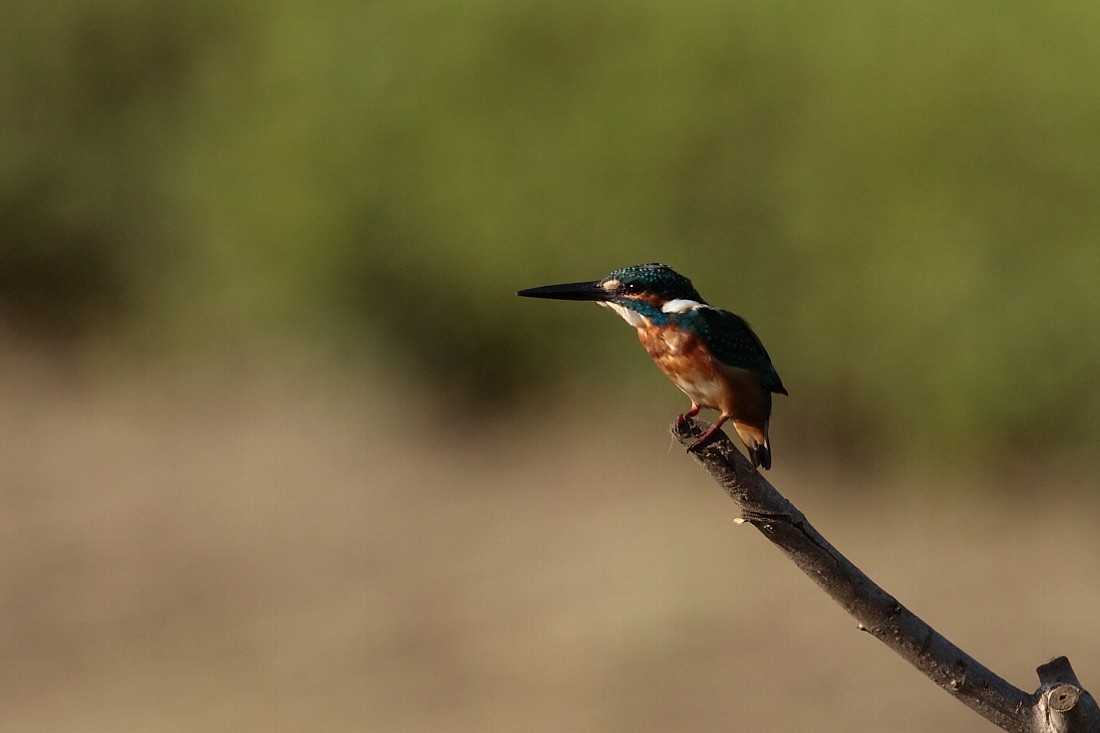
(308, 556)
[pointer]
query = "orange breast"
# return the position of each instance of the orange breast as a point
(686, 360)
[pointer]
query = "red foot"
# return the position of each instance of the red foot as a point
(683, 416)
(707, 435)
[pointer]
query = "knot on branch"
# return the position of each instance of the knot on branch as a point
(1062, 698)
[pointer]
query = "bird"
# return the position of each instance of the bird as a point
(711, 354)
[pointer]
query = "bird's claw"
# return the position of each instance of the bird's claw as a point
(703, 439)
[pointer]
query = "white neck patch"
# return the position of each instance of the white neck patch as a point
(681, 305)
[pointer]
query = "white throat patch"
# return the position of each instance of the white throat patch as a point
(632, 317)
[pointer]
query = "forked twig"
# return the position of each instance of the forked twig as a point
(1060, 705)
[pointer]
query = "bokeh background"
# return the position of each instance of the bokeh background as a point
(281, 450)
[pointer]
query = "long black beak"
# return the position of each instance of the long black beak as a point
(568, 291)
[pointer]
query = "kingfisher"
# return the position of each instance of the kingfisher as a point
(712, 355)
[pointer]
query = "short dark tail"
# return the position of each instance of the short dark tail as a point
(755, 438)
(761, 455)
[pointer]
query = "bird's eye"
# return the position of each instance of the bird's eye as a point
(631, 288)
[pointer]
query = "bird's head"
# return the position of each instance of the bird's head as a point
(650, 292)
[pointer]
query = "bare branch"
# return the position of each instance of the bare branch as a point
(1059, 705)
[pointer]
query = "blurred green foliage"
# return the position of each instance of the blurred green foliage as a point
(904, 199)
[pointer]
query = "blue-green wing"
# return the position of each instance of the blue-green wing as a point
(732, 341)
